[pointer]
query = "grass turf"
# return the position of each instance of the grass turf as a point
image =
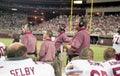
(98, 49)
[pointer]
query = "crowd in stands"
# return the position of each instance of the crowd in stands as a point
(106, 25)
(11, 22)
(101, 25)
(54, 23)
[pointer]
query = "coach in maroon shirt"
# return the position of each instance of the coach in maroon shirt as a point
(61, 38)
(30, 41)
(80, 40)
(47, 50)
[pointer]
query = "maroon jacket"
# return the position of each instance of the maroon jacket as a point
(60, 39)
(47, 51)
(79, 41)
(30, 41)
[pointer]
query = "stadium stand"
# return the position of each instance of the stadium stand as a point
(45, 15)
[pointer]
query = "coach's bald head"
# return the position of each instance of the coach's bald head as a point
(16, 50)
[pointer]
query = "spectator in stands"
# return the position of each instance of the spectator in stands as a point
(19, 64)
(30, 41)
(11, 22)
(101, 25)
(116, 44)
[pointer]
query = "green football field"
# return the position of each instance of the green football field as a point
(98, 49)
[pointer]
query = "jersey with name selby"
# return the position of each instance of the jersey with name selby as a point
(85, 68)
(26, 67)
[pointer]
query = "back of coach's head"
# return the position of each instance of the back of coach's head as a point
(49, 33)
(16, 50)
(86, 53)
(27, 28)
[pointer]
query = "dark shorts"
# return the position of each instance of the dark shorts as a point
(34, 53)
(71, 56)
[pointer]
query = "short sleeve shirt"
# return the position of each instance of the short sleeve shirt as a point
(79, 41)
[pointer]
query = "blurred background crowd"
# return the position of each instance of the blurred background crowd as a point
(101, 25)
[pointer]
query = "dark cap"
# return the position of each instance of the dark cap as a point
(62, 26)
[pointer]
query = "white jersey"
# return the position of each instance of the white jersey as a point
(2, 48)
(85, 68)
(2, 58)
(26, 67)
(116, 43)
(112, 67)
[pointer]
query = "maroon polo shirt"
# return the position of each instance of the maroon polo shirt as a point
(79, 41)
(60, 39)
(47, 51)
(30, 41)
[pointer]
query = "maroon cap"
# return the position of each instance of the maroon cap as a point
(62, 26)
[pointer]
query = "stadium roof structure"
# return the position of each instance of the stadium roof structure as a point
(51, 6)
(36, 6)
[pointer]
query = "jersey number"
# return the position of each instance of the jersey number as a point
(1, 51)
(116, 71)
(95, 72)
(116, 39)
